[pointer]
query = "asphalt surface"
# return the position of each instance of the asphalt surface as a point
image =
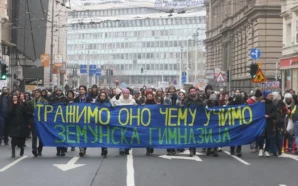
(140, 170)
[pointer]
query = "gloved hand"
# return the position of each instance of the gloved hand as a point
(118, 96)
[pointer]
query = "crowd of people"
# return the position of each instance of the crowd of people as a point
(17, 113)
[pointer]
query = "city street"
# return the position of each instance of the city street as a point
(140, 170)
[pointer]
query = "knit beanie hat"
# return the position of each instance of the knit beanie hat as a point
(288, 95)
(266, 93)
(118, 91)
(125, 91)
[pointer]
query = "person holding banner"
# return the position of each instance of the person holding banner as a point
(82, 98)
(149, 101)
(103, 101)
(59, 98)
(212, 102)
(17, 117)
(123, 99)
(193, 99)
(170, 99)
(31, 106)
(94, 93)
(238, 100)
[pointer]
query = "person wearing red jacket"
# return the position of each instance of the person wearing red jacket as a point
(255, 98)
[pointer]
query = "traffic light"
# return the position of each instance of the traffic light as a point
(111, 72)
(107, 72)
(228, 76)
(253, 69)
(3, 72)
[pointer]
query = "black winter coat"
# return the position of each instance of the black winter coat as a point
(18, 121)
(271, 111)
(62, 99)
(88, 100)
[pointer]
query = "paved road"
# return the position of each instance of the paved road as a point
(139, 170)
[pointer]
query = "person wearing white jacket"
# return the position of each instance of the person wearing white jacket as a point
(119, 100)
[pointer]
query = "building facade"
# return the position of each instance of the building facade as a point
(234, 27)
(289, 59)
(143, 45)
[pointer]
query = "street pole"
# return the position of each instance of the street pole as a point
(180, 69)
(52, 45)
(88, 69)
(196, 62)
(187, 62)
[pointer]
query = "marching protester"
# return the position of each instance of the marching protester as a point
(103, 101)
(70, 96)
(290, 104)
(212, 102)
(82, 98)
(24, 102)
(59, 98)
(193, 99)
(149, 101)
(257, 97)
(4, 106)
(17, 117)
(31, 106)
(159, 96)
(123, 99)
(170, 99)
(94, 93)
(44, 94)
(138, 97)
(181, 98)
(280, 117)
(238, 100)
(270, 129)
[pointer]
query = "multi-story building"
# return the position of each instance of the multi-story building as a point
(30, 29)
(289, 60)
(142, 44)
(234, 27)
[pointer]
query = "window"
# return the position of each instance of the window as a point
(147, 67)
(289, 34)
(139, 56)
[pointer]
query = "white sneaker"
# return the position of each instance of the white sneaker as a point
(267, 154)
(261, 152)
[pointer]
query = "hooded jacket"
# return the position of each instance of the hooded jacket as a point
(122, 101)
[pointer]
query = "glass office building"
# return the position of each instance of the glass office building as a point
(143, 45)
